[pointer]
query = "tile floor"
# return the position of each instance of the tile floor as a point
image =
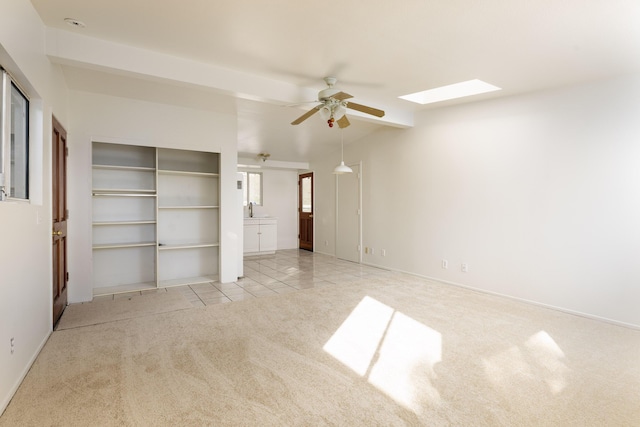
(267, 275)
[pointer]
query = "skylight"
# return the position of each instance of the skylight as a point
(453, 91)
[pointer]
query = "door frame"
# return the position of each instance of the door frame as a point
(310, 215)
(360, 251)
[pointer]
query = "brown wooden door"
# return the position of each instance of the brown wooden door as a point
(305, 210)
(59, 211)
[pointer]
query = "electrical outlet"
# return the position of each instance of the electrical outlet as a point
(373, 251)
(464, 267)
(326, 243)
(366, 249)
(445, 264)
(383, 252)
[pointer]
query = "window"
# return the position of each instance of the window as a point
(14, 155)
(252, 188)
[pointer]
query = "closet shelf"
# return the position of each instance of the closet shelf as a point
(125, 168)
(118, 289)
(188, 207)
(169, 247)
(186, 173)
(124, 193)
(187, 281)
(137, 222)
(123, 245)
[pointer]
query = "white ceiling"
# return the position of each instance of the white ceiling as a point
(378, 50)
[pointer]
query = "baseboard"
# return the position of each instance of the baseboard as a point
(540, 304)
(14, 389)
(325, 253)
(523, 300)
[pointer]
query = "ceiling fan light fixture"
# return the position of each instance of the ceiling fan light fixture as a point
(339, 111)
(325, 112)
(333, 106)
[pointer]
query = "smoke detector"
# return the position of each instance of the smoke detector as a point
(74, 22)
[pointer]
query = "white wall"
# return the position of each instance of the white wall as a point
(539, 194)
(105, 118)
(280, 200)
(25, 234)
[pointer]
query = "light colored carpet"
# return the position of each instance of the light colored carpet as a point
(392, 352)
(101, 311)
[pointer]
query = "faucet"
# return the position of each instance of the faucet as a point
(250, 209)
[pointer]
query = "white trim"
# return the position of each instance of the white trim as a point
(526, 301)
(5, 134)
(6, 89)
(15, 82)
(360, 209)
(360, 217)
(325, 253)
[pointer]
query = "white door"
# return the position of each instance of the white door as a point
(348, 221)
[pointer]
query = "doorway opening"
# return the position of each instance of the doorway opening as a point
(305, 211)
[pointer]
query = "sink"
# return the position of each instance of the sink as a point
(255, 211)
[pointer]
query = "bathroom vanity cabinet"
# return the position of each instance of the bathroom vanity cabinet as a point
(260, 236)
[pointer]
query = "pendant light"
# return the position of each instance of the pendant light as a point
(342, 168)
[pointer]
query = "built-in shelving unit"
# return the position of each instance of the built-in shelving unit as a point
(189, 217)
(155, 217)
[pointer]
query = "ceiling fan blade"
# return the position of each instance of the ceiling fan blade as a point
(306, 115)
(365, 109)
(341, 96)
(343, 122)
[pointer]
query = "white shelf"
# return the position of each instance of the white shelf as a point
(124, 168)
(187, 173)
(124, 193)
(123, 245)
(98, 223)
(169, 247)
(188, 207)
(187, 281)
(133, 287)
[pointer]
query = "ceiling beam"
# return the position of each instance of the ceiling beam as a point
(67, 48)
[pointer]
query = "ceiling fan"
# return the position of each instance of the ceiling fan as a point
(333, 106)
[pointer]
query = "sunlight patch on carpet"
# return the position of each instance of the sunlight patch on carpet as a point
(548, 356)
(396, 353)
(523, 366)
